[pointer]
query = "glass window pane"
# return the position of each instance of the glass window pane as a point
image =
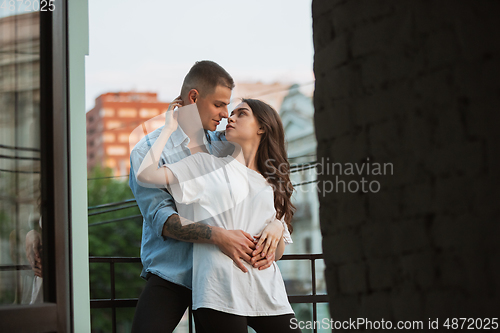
(101, 320)
(297, 276)
(20, 221)
(320, 277)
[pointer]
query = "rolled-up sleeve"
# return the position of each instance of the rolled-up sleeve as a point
(156, 205)
(287, 238)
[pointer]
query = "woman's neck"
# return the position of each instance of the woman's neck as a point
(248, 156)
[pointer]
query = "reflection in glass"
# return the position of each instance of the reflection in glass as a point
(20, 200)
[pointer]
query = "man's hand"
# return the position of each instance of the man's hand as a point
(236, 244)
(33, 248)
(268, 240)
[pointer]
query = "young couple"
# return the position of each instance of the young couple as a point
(221, 202)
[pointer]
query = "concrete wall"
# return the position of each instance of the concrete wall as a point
(416, 84)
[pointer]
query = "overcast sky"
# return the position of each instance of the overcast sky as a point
(149, 45)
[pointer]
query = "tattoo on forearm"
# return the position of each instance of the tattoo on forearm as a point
(190, 232)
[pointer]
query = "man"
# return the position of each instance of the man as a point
(166, 249)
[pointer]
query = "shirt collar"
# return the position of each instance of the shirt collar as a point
(178, 137)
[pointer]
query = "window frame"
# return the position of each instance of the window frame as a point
(55, 314)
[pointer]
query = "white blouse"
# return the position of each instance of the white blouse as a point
(223, 192)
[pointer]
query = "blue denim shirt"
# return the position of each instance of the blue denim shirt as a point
(165, 257)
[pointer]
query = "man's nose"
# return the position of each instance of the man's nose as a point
(224, 113)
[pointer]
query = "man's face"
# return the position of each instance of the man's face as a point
(213, 107)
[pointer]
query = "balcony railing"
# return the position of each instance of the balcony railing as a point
(113, 303)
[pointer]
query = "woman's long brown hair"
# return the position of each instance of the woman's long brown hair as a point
(272, 159)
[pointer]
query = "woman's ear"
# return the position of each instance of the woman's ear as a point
(261, 131)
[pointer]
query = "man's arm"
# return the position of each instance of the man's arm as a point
(235, 244)
(156, 205)
(158, 208)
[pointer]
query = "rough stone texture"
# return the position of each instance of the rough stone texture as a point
(415, 84)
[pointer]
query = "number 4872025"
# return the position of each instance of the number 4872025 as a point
(20, 6)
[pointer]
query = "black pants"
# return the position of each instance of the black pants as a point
(161, 306)
(213, 321)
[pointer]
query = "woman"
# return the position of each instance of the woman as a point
(240, 191)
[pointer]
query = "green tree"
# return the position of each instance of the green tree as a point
(120, 238)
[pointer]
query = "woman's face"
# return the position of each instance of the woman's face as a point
(242, 126)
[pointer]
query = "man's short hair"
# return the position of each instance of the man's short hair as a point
(205, 76)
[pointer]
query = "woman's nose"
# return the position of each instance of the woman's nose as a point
(230, 119)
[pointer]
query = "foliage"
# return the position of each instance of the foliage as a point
(115, 239)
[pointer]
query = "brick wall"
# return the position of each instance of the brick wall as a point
(416, 84)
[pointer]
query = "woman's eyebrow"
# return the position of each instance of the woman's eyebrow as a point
(239, 109)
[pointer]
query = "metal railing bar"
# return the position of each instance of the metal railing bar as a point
(305, 183)
(299, 165)
(308, 298)
(132, 302)
(117, 303)
(302, 256)
(116, 220)
(112, 210)
(304, 167)
(111, 204)
(313, 275)
(295, 157)
(190, 316)
(113, 295)
(95, 259)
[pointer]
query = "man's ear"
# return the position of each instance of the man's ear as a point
(193, 96)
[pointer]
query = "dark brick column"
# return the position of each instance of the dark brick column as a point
(415, 84)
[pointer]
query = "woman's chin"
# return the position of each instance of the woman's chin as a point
(229, 137)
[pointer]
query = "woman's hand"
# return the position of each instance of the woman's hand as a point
(171, 122)
(267, 242)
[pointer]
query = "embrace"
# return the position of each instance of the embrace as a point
(217, 212)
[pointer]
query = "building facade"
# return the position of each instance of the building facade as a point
(110, 127)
